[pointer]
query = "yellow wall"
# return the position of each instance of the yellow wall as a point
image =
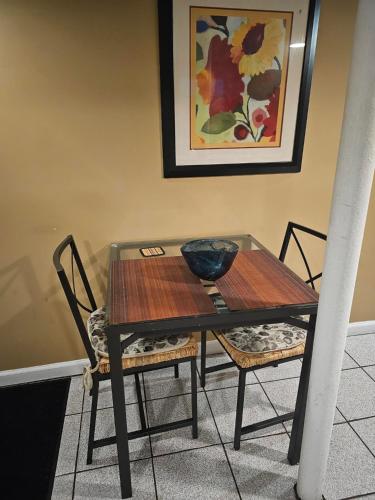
(80, 152)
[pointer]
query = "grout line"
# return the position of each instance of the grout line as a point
(352, 368)
(269, 399)
(176, 452)
(341, 413)
(169, 397)
(114, 464)
(223, 445)
(258, 437)
(149, 437)
(357, 368)
(79, 442)
(359, 496)
(275, 380)
(371, 377)
(359, 419)
(103, 408)
(351, 357)
(227, 387)
(356, 433)
(339, 423)
(373, 454)
(64, 474)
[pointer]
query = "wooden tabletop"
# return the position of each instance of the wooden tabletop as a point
(258, 280)
(164, 287)
(155, 288)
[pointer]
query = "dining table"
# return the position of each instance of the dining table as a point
(158, 295)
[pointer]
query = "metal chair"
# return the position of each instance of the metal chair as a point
(99, 365)
(246, 362)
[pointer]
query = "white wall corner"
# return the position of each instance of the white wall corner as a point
(42, 372)
(361, 327)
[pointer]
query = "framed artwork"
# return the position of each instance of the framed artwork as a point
(235, 79)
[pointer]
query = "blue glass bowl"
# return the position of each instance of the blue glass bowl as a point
(209, 259)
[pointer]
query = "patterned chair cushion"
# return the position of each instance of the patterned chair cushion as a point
(141, 347)
(265, 338)
(261, 338)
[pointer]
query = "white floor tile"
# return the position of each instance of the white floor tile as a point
(351, 466)
(261, 468)
(362, 349)
(284, 370)
(63, 487)
(105, 394)
(68, 445)
(370, 370)
(179, 408)
(348, 362)
(187, 468)
(195, 474)
(256, 408)
(162, 384)
(75, 397)
(105, 427)
(100, 484)
(356, 398)
(366, 430)
(283, 394)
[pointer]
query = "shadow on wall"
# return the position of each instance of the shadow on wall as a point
(28, 308)
(95, 261)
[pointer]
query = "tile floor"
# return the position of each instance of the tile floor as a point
(173, 466)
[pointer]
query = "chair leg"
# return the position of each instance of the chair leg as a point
(140, 402)
(239, 410)
(194, 398)
(176, 371)
(94, 405)
(203, 357)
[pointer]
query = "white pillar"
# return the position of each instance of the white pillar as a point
(355, 169)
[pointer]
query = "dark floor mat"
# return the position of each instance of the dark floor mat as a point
(31, 422)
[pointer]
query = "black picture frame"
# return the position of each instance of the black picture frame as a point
(171, 170)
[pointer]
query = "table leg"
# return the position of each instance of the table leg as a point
(203, 357)
(119, 410)
(299, 415)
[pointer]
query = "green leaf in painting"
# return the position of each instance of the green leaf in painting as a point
(262, 86)
(198, 52)
(219, 123)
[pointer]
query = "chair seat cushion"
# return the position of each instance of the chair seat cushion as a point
(141, 347)
(265, 338)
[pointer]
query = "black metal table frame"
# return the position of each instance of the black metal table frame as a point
(193, 324)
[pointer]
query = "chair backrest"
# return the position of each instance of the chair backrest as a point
(70, 290)
(291, 231)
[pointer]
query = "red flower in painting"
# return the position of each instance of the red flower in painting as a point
(241, 132)
(270, 123)
(220, 83)
(259, 115)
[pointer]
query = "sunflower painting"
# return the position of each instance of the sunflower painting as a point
(238, 68)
